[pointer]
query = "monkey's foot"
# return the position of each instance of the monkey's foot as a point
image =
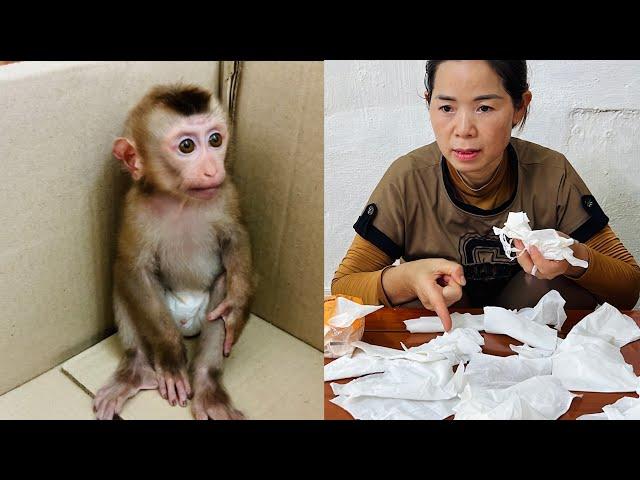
(211, 401)
(110, 399)
(174, 386)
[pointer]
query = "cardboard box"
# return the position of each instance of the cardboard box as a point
(278, 170)
(61, 196)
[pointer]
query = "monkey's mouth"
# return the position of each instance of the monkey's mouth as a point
(204, 193)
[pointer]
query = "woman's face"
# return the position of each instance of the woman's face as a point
(472, 116)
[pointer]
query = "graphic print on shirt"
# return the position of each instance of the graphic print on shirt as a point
(483, 258)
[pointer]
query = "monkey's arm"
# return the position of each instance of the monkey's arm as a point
(236, 259)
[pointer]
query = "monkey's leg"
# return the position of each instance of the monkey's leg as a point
(146, 325)
(210, 399)
(133, 374)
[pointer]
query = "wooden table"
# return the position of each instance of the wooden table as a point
(385, 327)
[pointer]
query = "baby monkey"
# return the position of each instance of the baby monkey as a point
(183, 263)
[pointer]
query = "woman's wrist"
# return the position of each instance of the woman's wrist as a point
(580, 251)
(397, 285)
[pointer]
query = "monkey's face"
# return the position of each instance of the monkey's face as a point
(192, 153)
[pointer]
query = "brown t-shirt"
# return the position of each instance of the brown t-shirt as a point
(415, 213)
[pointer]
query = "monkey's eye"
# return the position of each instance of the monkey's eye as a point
(187, 145)
(215, 140)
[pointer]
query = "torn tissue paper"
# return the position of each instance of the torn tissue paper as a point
(434, 324)
(432, 381)
(492, 372)
(347, 311)
(537, 398)
(419, 383)
(609, 324)
(392, 353)
(548, 311)
(525, 351)
(507, 322)
(356, 365)
(456, 345)
(627, 408)
(589, 359)
(378, 408)
(551, 245)
(360, 363)
(590, 364)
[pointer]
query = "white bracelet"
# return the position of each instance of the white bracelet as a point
(534, 270)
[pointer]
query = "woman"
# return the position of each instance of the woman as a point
(435, 208)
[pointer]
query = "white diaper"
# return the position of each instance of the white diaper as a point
(189, 309)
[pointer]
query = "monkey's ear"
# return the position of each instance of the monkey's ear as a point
(126, 152)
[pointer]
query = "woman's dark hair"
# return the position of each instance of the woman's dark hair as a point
(512, 72)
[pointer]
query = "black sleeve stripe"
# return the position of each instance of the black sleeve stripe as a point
(596, 222)
(366, 230)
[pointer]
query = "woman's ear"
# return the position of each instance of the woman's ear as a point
(518, 115)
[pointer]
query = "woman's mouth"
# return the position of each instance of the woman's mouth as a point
(465, 154)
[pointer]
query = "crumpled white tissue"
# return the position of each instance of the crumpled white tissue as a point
(527, 324)
(502, 321)
(392, 353)
(590, 360)
(434, 324)
(525, 351)
(188, 308)
(492, 372)
(626, 408)
(608, 323)
(356, 365)
(551, 245)
(537, 398)
(432, 381)
(378, 408)
(456, 345)
(549, 310)
(347, 312)
(591, 364)
(359, 364)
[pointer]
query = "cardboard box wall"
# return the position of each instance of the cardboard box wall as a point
(61, 192)
(278, 169)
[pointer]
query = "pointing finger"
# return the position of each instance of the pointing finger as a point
(439, 306)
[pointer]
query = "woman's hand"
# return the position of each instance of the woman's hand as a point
(436, 282)
(534, 263)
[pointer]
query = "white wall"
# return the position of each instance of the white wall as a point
(588, 110)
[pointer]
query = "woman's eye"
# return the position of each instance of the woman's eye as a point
(446, 108)
(485, 108)
(187, 145)
(215, 140)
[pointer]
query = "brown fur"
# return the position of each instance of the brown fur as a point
(169, 240)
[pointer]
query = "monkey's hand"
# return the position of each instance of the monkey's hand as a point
(234, 315)
(171, 373)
